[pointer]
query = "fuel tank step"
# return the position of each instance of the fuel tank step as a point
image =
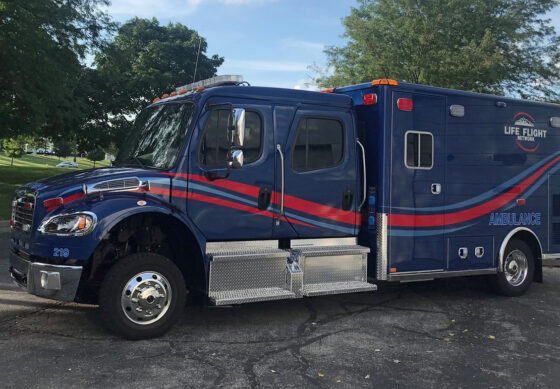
(338, 288)
(332, 266)
(241, 296)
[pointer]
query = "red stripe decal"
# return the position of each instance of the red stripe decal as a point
(319, 210)
(246, 208)
(397, 220)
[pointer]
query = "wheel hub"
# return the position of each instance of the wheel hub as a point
(516, 267)
(146, 297)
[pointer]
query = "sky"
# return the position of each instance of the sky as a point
(268, 42)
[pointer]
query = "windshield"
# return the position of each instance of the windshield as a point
(157, 136)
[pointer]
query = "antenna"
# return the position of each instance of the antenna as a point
(197, 55)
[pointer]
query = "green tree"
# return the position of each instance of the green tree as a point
(14, 148)
(144, 61)
(498, 46)
(42, 46)
(63, 148)
(97, 154)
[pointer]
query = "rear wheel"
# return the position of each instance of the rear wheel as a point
(518, 269)
(142, 296)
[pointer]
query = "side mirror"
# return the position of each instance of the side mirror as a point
(236, 160)
(238, 115)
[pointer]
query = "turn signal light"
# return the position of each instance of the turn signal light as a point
(404, 104)
(58, 201)
(370, 99)
(384, 81)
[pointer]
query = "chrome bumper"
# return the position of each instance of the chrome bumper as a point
(55, 282)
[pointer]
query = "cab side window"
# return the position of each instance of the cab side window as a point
(319, 144)
(215, 145)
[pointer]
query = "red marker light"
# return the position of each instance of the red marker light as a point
(404, 104)
(370, 99)
(53, 202)
(521, 201)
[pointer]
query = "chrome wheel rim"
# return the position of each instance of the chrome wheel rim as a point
(146, 298)
(516, 267)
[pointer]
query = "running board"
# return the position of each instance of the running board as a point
(244, 272)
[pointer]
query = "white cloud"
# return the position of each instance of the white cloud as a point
(267, 66)
(294, 43)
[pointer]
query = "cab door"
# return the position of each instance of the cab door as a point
(232, 204)
(320, 174)
(416, 183)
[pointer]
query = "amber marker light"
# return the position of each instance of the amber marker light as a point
(384, 81)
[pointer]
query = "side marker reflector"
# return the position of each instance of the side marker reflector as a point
(404, 104)
(370, 99)
(393, 270)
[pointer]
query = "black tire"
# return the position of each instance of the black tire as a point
(504, 282)
(160, 274)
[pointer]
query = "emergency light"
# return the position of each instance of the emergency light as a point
(210, 82)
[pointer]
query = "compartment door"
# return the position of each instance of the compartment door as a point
(554, 213)
(416, 231)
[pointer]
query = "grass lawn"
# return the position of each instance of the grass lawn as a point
(30, 168)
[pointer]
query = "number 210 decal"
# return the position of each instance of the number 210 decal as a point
(61, 252)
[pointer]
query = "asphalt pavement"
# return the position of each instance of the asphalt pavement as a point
(447, 333)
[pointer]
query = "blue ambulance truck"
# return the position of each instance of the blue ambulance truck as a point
(241, 194)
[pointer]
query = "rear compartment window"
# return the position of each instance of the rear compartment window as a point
(419, 150)
(215, 145)
(319, 144)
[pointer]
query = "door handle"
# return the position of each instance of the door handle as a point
(347, 199)
(436, 188)
(265, 195)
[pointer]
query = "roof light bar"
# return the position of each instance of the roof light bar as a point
(210, 82)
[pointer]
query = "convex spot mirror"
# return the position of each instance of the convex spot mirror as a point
(236, 159)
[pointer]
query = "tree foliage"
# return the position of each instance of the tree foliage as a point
(498, 46)
(14, 148)
(145, 60)
(97, 154)
(42, 44)
(63, 148)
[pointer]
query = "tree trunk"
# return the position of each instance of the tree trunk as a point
(12, 164)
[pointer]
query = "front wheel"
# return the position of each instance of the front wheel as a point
(142, 296)
(518, 269)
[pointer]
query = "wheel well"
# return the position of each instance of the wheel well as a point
(146, 232)
(529, 238)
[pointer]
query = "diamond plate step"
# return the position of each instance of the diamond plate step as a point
(240, 296)
(337, 288)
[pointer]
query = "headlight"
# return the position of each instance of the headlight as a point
(72, 224)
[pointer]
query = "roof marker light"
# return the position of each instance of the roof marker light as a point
(182, 92)
(165, 96)
(328, 90)
(370, 99)
(384, 81)
(405, 104)
(156, 100)
(199, 89)
(173, 93)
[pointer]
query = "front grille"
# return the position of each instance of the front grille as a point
(23, 210)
